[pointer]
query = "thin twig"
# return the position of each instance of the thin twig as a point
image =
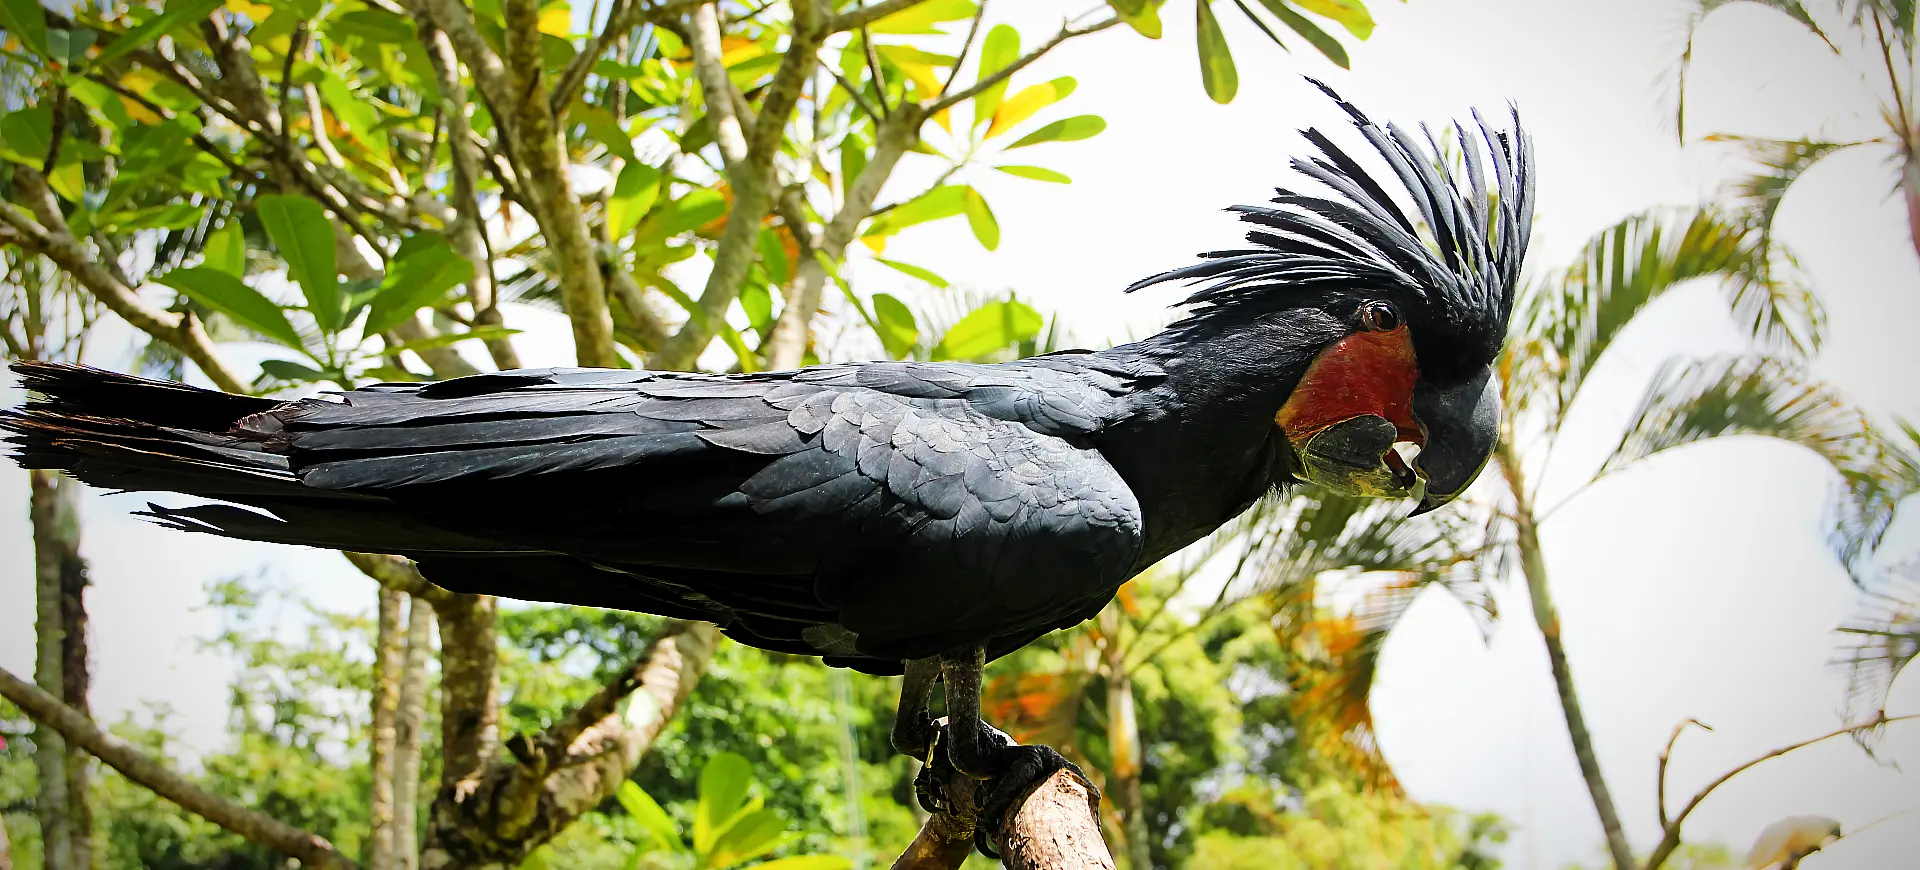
(865, 15)
(1007, 72)
(960, 59)
(1660, 781)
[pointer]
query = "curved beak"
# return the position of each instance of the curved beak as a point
(1462, 426)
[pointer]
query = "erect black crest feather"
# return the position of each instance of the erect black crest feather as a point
(1460, 250)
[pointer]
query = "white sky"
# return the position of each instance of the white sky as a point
(1695, 586)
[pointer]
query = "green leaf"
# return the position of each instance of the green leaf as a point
(482, 333)
(177, 12)
(899, 334)
(1216, 62)
(417, 278)
(226, 294)
(695, 209)
(992, 327)
(916, 271)
(1002, 47)
(356, 112)
(26, 134)
(292, 372)
(1351, 14)
(226, 250)
(652, 818)
(26, 20)
(1143, 17)
(921, 18)
(633, 194)
(773, 256)
(1304, 26)
(176, 216)
(602, 128)
(1030, 100)
(69, 180)
(806, 862)
(749, 837)
(303, 235)
(756, 301)
(723, 793)
(980, 219)
(1036, 173)
(940, 202)
(1064, 130)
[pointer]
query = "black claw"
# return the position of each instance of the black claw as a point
(1030, 766)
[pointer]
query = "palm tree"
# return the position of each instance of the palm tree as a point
(1876, 37)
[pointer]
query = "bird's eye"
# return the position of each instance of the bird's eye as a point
(1379, 317)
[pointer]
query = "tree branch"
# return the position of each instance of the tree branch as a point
(453, 19)
(1660, 780)
(752, 178)
(1006, 72)
(1055, 826)
(52, 238)
(310, 849)
(715, 86)
(854, 19)
(400, 575)
(1670, 833)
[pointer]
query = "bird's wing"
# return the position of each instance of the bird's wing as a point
(878, 510)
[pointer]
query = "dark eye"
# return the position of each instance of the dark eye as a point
(1379, 317)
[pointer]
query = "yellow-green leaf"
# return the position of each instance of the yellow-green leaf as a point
(992, 327)
(1002, 47)
(1064, 130)
(633, 194)
(921, 18)
(1304, 26)
(919, 272)
(980, 219)
(1030, 100)
(1143, 17)
(226, 250)
(1351, 14)
(1216, 62)
(26, 20)
(895, 324)
(1036, 173)
(25, 135)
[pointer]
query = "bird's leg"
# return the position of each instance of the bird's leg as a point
(913, 728)
(982, 751)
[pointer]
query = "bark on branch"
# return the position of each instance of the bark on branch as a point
(50, 236)
(310, 849)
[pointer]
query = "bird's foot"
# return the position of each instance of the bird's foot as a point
(1009, 771)
(1027, 766)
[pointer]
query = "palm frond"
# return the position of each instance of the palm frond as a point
(1573, 317)
(1690, 401)
(1898, 15)
(1793, 9)
(1883, 637)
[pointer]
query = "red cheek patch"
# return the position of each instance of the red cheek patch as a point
(1364, 373)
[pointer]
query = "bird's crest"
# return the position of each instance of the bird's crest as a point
(1462, 254)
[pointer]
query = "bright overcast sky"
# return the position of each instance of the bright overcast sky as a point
(1695, 586)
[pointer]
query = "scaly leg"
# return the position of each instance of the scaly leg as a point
(913, 728)
(982, 751)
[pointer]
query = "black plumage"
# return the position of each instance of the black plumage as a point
(882, 515)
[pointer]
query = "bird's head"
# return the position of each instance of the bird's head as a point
(1404, 311)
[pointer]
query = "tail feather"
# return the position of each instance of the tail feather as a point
(133, 434)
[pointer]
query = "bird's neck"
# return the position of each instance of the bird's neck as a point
(1201, 444)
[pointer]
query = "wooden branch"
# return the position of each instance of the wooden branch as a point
(310, 849)
(854, 19)
(1006, 72)
(715, 86)
(751, 177)
(1670, 834)
(389, 656)
(1660, 780)
(411, 730)
(51, 237)
(624, 16)
(503, 814)
(1055, 826)
(399, 574)
(453, 19)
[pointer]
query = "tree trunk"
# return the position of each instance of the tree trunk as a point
(1123, 742)
(60, 577)
(389, 654)
(411, 726)
(1533, 564)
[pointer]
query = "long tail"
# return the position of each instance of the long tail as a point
(132, 434)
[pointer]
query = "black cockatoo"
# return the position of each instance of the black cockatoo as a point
(893, 517)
